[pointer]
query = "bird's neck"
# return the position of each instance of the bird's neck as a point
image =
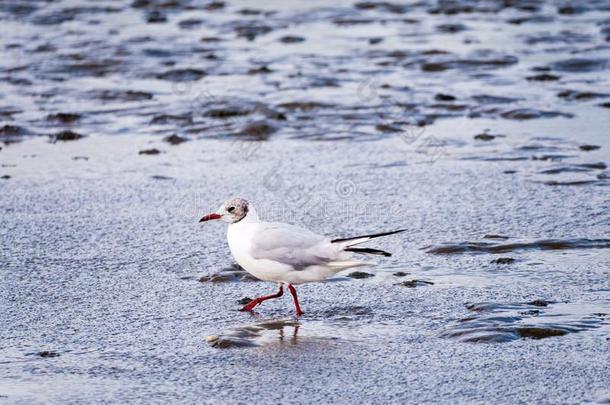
(251, 216)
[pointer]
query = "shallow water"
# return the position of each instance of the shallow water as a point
(482, 129)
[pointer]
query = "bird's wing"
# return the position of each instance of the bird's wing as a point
(291, 245)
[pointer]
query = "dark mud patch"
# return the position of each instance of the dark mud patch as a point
(588, 148)
(539, 319)
(360, 274)
(444, 97)
(543, 244)
(64, 118)
(13, 133)
(175, 139)
(543, 77)
(503, 260)
(46, 354)
(416, 283)
(259, 130)
(190, 23)
(227, 112)
(382, 6)
(494, 236)
(387, 128)
(161, 177)
(255, 335)
(66, 136)
(486, 136)
(264, 69)
(152, 151)
(291, 39)
(451, 28)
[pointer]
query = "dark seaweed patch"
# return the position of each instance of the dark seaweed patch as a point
(501, 323)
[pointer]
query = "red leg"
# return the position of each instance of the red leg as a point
(250, 306)
(296, 300)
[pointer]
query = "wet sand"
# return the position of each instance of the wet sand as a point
(482, 129)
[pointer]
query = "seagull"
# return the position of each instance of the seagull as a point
(286, 254)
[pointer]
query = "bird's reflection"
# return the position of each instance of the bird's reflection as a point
(279, 330)
(293, 337)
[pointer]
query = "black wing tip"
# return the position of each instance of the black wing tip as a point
(369, 251)
(374, 235)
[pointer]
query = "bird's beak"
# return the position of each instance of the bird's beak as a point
(210, 217)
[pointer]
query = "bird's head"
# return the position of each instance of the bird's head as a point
(232, 211)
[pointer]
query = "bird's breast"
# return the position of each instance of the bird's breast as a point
(239, 243)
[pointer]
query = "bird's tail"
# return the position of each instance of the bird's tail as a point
(346, 243)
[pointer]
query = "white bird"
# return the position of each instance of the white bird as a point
(284, 253)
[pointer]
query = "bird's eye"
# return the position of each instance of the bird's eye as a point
(230, 209)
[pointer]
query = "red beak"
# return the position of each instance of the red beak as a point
(210, 217)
